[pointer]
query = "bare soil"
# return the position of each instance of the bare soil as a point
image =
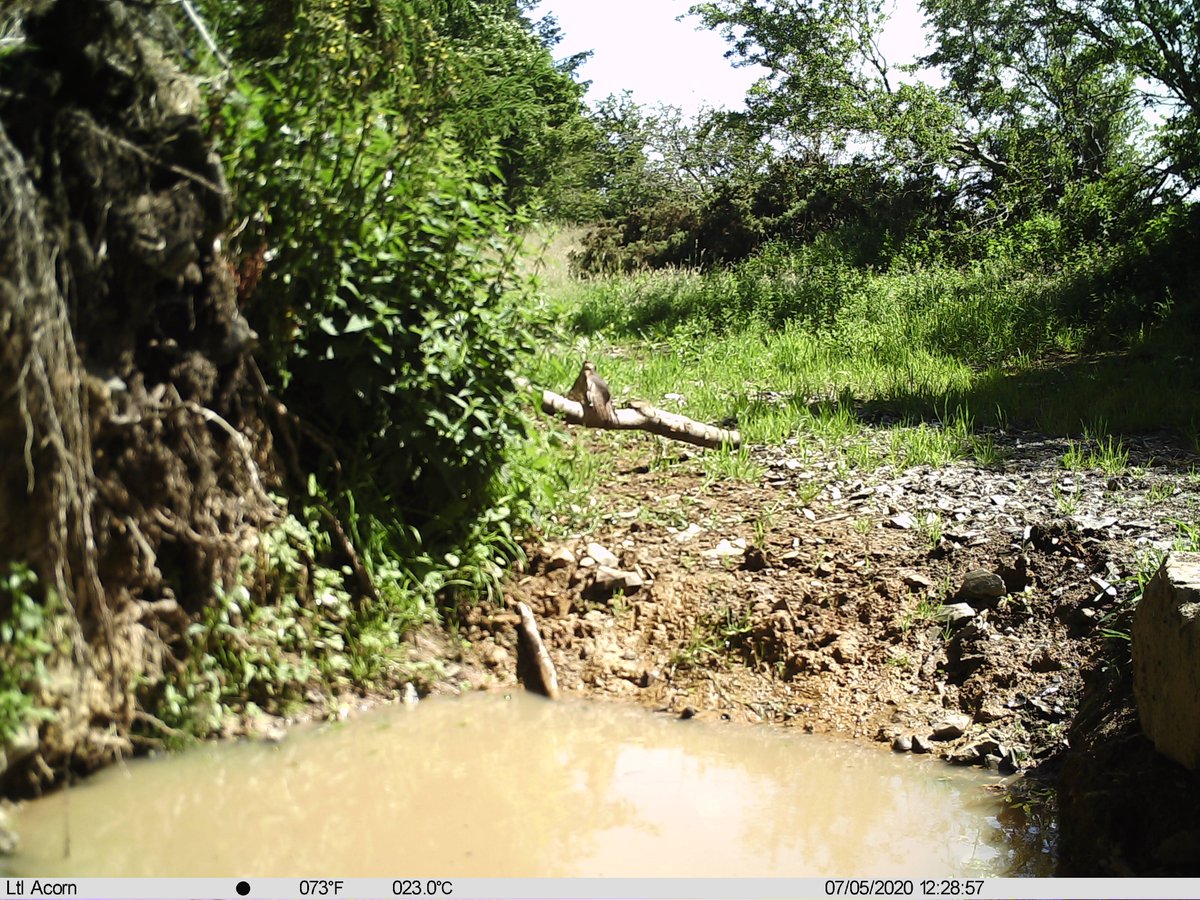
(824, 615)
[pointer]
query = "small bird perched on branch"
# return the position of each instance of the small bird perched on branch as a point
(593, 392)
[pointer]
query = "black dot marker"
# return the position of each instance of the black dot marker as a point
(243, 888)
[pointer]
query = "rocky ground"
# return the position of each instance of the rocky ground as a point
(952, 610)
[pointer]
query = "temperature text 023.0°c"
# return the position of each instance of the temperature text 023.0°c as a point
(415, 887)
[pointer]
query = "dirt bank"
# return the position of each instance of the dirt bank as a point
(814, 596)
(132, 477)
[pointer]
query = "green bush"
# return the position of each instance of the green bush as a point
(379, 207)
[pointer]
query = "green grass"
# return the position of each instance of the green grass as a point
(1097, 450)
(1160, 491)
(1066, 502)
(764, 524)
(986, 451)
(726, 464)
(931, 529)
(923, 613)
(799, 344)
(712, 637)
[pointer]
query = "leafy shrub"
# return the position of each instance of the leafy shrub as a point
(24, 646)
(380, 209)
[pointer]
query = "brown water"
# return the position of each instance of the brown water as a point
(489, 785)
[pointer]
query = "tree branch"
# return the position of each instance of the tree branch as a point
(638, 416)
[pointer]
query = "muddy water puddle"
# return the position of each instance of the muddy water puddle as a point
(514, 786)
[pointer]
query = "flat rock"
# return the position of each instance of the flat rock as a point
(1166, 646)
(723, 550)
(955, 613)
(608, 580)
(18, 747)
(846, 650)
(602, 555)
(688, 533)
(1009, 763)
(951, 727)
(1093, 525)
(902, 744)
(965, 756)
(267, 728)
(902, 521)
(916, 581)
(989, 747)
(617, 665)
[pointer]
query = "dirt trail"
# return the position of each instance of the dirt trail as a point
(812, 596)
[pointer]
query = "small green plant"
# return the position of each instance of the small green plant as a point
(711, 637)
(24, 646)
(1111, 457)
(764, 522)
(1066, 501)
(835, 422)
(290, 625)
(861, 456)
(925, 611)
(931, 528)
(1001, 418)
(665, 514)
(701, 646)
(925, 445)
(1160, 491)
(734, 625)
(1075, 457)
(985, 450)
(1107, 454)
(1187, 536)
(807, 491)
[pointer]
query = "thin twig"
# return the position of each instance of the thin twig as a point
(204, 34)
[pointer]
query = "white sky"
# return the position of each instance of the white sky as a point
(639, 46)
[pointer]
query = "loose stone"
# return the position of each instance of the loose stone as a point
(561, 558)
(602, 555)
(950, 728)
(955, 613)
(982, 586)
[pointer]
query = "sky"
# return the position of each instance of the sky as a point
(638, 45)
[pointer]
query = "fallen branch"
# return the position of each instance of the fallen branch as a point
(637, 416)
